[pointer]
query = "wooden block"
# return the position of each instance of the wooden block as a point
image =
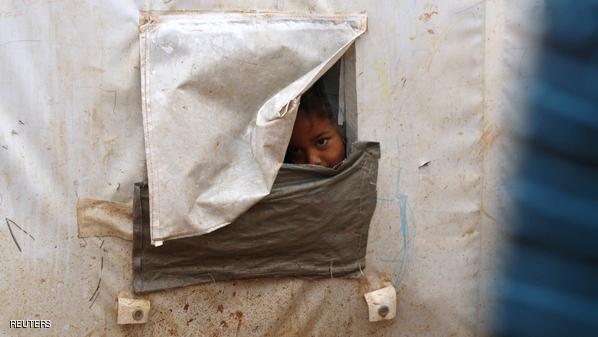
(132, 310)
(382, 304)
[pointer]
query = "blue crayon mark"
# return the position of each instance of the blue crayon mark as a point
(398, 185)
(405, 233)
(401, 258)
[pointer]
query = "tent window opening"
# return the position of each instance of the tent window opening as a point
(318, 135)
(223, 96)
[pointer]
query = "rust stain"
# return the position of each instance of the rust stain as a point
(431, 31)
(488, 138)
(239, 316)
(363, 286)
(429, 11)
(186, 307)
(220, 308)
(385, 280)
(469, 231)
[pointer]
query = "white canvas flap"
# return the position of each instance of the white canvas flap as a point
(220, 93)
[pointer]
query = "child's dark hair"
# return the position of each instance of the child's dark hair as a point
(314, 102)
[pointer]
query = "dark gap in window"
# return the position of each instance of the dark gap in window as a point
(337, 90)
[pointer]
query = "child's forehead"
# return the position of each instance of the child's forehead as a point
(313, 119)
(307, 126)
(314, 112)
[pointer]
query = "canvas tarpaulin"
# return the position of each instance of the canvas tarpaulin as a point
(219, 98)
(433, 81)
(314, 223)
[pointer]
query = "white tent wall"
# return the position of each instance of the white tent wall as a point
(429, 82)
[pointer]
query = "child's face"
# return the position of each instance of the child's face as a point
(315, 140)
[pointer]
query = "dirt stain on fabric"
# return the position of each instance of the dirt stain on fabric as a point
(488, 138)
(238, 315)
(382, 73)
(429, 11)
(469, 231)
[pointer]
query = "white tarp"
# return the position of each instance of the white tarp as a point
(219, 97)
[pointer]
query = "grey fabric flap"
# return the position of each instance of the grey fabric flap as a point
(314, 223)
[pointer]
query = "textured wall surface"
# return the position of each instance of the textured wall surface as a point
(429, 79)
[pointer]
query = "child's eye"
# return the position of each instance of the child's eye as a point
(294, 150)
(322, 141)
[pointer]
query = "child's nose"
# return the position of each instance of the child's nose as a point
(313, 157)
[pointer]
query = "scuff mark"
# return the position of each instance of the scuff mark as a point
(11, 14)
(19, 227)
(13, 236)
(95, 294)
(17, 41)
(488, 215)
(21, 122)
(382, 72)
(424, 163)
(114, 102)
(5, 147)
(114, 99)
(14, 133)
(467, 8)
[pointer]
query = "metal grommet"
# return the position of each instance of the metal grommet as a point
(383, 311)
(138, 315)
